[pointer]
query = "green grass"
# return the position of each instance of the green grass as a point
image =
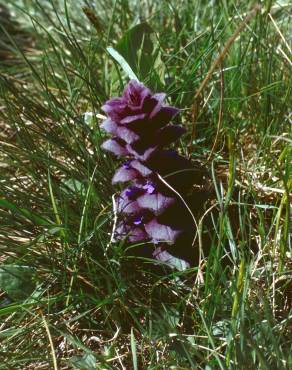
(71, 299)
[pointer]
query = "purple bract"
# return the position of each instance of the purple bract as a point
(139, 122)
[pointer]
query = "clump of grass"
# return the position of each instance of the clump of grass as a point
(92, 304)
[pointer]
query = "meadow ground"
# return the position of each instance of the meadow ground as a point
(68, 297)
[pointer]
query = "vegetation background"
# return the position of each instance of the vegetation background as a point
(68, 297)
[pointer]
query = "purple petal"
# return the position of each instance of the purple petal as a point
(114, 105)
(113, 146)
(161, 233)
(159, 99)
(127, 206)
(137, 234)
(135, 93)
(134, 118)
(109, 126)
(164, 115)
(143, 170)
(123, 175)
(133, 89)
(121, 231)
(169, 133)
(127, 135)
(169, 111)
(168, 161)
(156, 203)
(126, 202)
(144, 155)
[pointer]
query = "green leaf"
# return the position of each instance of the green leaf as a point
(86, 362)
(138, 48)
(134, 350)
(123, 63)
(24, 212)
(17, 281)
(8, 310)
(75, 186)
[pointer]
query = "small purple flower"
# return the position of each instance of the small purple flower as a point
(127, 165)
(149, 187)
(138, 220)
(140, 124)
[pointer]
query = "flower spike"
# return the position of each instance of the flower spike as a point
(139, 122)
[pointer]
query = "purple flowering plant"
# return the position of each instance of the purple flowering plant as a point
(139, 123)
